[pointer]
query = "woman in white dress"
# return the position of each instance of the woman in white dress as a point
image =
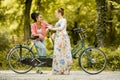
(62, 57)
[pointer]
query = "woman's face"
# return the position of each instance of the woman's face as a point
(39, 18)
(57, 14)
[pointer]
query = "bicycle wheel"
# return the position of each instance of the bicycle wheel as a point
(92, 60)
(14, 59)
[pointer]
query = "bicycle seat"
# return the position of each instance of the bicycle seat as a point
(34, 37)
(78, 30)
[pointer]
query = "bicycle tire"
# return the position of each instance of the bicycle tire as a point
(92, 60)
(14, 59)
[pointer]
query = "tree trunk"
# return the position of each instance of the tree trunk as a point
(75, 35)
(110, 23)
(101, 22)
(38, 5)
(27, 19)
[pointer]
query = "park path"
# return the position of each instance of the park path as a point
(75, 75)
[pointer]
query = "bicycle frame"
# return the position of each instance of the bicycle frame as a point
(33, 45)
(20, 46)
(78, 47)
(81, 47)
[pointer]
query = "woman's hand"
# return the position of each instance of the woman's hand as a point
(49, 27)
(40, 35)
(53, 36)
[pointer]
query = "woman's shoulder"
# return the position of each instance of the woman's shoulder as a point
(63, 20)
(33, 24)
(44, 22)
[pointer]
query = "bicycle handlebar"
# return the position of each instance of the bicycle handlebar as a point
(34, 37)
(78, 30)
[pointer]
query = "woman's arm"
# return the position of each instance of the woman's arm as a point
(44, 30)
(61, 27)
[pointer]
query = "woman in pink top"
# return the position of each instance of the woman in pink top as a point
(38, 28)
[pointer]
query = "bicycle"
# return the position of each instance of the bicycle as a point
(92, 60)
(21, 58)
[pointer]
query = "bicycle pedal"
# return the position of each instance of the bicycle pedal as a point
(39, 72)
(40, 64)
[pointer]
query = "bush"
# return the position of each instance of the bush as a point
(4, 46)
(3, 60)
(113, 58)
(4, 42)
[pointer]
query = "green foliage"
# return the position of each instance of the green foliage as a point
(4, 46)
(113, 58)
(11, 16)
(49, 47)
(3, 60)
(4, 41)
(117, 1)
